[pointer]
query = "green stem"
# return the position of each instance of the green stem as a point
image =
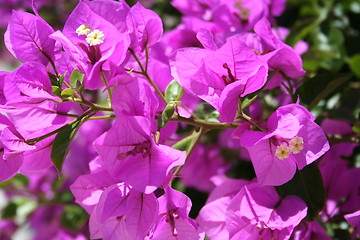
(90, 104)
(102, 117)
(202, 123)
(103, 78)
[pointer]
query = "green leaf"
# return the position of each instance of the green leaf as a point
(9, 211)
(184, 144)
(246, 102)
(167, 113)
(356, 127)
(173, 91)
(308, 185)
(355, 64)
(61, 80)
(61, 144)
(69, 92)
(76, 79)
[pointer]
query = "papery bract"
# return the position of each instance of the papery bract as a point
(285, 124)
(124, 213)
(220, 77)
(145, 27)
(30, 83)
(212, 217)
(92, 53)
(173, 221)
(87, 189)
(27, 38)
(261, 207)
(136, 159)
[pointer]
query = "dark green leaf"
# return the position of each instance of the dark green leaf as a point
(61, 80)
(76, 79)
(53, 79)
(61, 144)
(167, 113)
(173, 91)
(308, 185)
(9, 211)
(355, 64)
(356, 127)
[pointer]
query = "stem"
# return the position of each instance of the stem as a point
(202, 123)
(132, 71)
(196, 140)
(146, 59)
(101, 117)
(90, 104)
(249, 119)
(146, 75)
(33, 141)
(103, 78)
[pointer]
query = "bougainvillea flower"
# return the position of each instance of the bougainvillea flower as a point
(173, 221)
(92, 42)
(220, 77)
(136, 159)
(27, 38)
(212, 217)
(239, 15)
(135, 98)
(88, 188)
(114, 12)
(279, 55)
(191, 7)
(145, 27)
(292, 139)
(123, 213)
(12, 146)
(258, 207)
(30, 83)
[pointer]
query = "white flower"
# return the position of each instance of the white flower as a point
(282, 152)
(96, 37)
(296, 145)
(83, 30)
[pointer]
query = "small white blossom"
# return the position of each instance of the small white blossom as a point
(96, 37)
(282, 152)
(296, 145)
(83, 30)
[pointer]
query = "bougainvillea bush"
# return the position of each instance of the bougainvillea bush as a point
(188, 119)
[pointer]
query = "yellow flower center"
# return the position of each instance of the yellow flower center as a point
(296, 145)
(83, 30)
(96, 37)
(282, 152)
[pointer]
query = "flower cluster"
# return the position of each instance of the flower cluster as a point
(112, 102)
